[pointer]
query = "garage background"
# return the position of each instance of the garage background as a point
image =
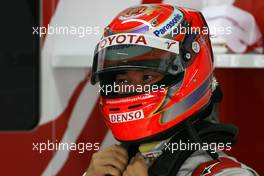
(69, 111)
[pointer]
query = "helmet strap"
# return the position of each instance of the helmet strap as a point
(168, 164)
(194, 136)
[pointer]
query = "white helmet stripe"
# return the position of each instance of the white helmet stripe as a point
(139, 39)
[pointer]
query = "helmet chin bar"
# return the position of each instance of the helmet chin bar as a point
(175, 130)
(203, 113)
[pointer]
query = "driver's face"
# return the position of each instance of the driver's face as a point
(138, 78)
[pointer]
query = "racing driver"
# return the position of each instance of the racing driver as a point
(158, 95)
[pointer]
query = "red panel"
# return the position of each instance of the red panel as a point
(17, 155)
(17, 148)
(48, 9)
(243, 105)
(93, 132)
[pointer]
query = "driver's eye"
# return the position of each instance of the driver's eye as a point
(147, 77)
(122, 81)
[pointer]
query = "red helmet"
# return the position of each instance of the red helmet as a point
(170, 40)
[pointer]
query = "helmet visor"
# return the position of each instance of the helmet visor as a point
(148, 52)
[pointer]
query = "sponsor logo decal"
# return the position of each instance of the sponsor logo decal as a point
(208, 170)
(126, 116)
(122, 39)
(136, 12)
(133, 12)
(139, 39)
(163, 30)
(140, 21)
(170, 44)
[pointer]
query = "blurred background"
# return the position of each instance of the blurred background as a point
(46, 54)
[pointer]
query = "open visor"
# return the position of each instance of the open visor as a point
(124, 52)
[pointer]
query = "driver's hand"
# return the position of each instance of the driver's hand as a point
(136, 167)
(111, 161)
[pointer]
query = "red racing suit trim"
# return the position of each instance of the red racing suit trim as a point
(213, 167)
